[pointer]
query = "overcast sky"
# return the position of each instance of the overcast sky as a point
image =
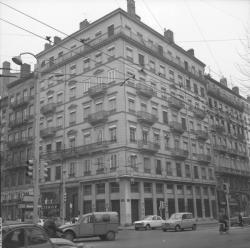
(216, 29)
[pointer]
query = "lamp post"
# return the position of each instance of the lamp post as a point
(17, 60)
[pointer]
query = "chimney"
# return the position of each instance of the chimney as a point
(56, 39)
(6, 66)
(47, 46)
(84, 24)
(169, 35)
(131, 8)
(190, 51)
(25, 70)
(235, 89)
(223, 81)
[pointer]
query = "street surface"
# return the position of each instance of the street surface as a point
(202, 238)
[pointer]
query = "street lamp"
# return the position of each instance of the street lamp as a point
(18, 60)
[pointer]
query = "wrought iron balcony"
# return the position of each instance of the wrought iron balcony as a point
(179, 153)
(177, 127)
(97, 90)
(220, 148)
(144, 90)
(198, 113)
(145, 117)
(201, 135)
(19, 142)
(98, 117)
(228, 170)
(100, 171)
(24, 101)
(48, 108)
(204, 158)
(218, 128)
(175, 103)
(52, 156)
(148, 146)
(48, 132)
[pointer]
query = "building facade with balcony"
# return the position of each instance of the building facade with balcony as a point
(127, 124)
(228, 118)
(18, 147)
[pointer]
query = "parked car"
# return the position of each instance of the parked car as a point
(102, 224)
(180, 221)
(149, 222)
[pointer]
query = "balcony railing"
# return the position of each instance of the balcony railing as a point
(49, 108)
(201, 135)
(177, 127)
(19, 142)
(179, 153)
(48, 132)
(218, 128)
(144, 90)
(145, 117)
(98, 117)
(175, 103)
(198, 113)
(21, 121)
(20, 102)
(97, 90)
(148, 146)
(220, 148)
(228, 170)
(204, 158)
(53, 155)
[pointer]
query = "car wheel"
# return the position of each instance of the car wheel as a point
(69, 235)
(177, 228)
(110, 236)
(102, 237)
(164, 229)
(147, 227)
(194, 227)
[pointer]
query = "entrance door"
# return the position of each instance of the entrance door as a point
(134, 210)
(148, 202)
(115, 206)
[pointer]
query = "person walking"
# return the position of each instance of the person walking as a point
(50, 225)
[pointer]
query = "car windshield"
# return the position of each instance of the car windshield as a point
(175, 216)
(147, 218)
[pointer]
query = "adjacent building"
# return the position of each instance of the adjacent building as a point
(124, 122)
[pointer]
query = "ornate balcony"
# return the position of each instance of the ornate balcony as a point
(144, 90)
(19, 142)
(204, 158)
(48, 108)
(98, 117)
(145, 117)
(220, 148)
(232, 171)
(199, 113)
(176, 127)
(218, 128)
(201, 135)
(179, 153)
(175, 103)
(97, 90)
(22, 102)
(148, 146)
(48, 132)
(52, 156)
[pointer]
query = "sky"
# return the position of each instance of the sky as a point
(215, 29)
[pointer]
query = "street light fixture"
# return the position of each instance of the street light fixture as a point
(18, 60)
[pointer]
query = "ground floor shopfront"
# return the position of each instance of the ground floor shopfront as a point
(134, 198)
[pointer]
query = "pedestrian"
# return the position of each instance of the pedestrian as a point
(50, 225)
(240, 220)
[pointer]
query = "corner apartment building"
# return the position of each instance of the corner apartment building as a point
(18, 147)
(230, 143)
(124, 123)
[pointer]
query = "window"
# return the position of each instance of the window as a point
(113, 161)
(160, 49)
(187, 170)
(86, 64)
(171, 75)
(87, 167)
(183, 123)
(132, 134)
(86, 112)
(30, 132)
(60, 97)
(58, 145)
(169, 168)
(72, 92)
(196, 89)
(178, 170)
(111, 76)
(133, 161)
(134, 187)
(59, 121)
(111, 52)
(72, 169)
(131, 105)
(72, 117)
(86, 85)
(141, 59)
(162, 72)
(48, 148)
(114, 187)
(112, 104)
(98, 58)
(147, 187)
(202, 92)
(158, 169)
(147, 165)
(129, 53)
(100, 164)
(152, 65)
(111, 30)
(58, 173)
(99, 106)
(170, 189)
(203, 173)
(87, 189)
(196, 174)
(100, 188)
(180, 190)
(210, 174)
(188, 85)
(112, 132)
(166, 140)
(72, 142)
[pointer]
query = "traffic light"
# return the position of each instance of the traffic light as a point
(65, 197)
(225, 188)
(45, 171)
(29, 168)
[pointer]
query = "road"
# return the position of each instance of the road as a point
(202, 238)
